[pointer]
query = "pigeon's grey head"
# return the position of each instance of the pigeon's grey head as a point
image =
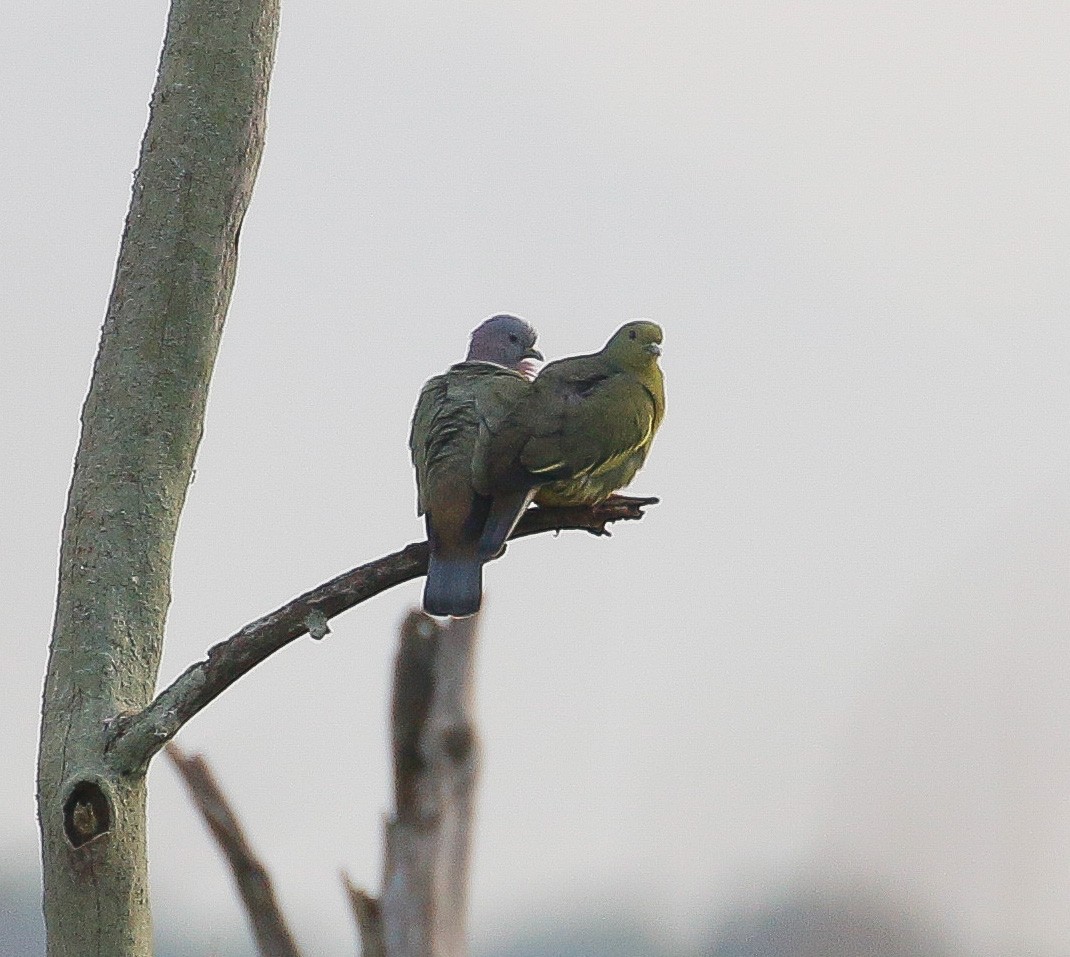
(507, 341)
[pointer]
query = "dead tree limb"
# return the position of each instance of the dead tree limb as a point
(273, 937)
(428, 841)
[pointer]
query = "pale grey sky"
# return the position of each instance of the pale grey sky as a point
(852, 222)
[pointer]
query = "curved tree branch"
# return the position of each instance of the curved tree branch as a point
(135, 738)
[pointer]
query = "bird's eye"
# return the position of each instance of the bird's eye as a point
(631, 334)
(512, 337)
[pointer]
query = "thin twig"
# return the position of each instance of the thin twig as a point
(135, 738)
(273, 937)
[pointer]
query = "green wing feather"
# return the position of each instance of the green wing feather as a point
(455, 413)
(432, 398)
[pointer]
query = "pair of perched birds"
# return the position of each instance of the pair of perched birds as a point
(487, 438)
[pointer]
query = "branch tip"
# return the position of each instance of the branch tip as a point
(367, 915)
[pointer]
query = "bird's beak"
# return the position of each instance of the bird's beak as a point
(653, 348)
(533, 353)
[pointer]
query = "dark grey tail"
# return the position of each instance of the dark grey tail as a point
(454, 585)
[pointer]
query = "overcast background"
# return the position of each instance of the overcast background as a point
(837, 652)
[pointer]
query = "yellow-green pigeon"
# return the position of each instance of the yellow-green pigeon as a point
(455, 417)
(583, 430)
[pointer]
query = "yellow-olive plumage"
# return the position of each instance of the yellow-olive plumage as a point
(585, 427)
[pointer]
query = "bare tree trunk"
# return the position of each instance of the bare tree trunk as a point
(425, 884)
(141, 425)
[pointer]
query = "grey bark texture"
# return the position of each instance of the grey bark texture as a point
(423, 905)
(141, 425)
